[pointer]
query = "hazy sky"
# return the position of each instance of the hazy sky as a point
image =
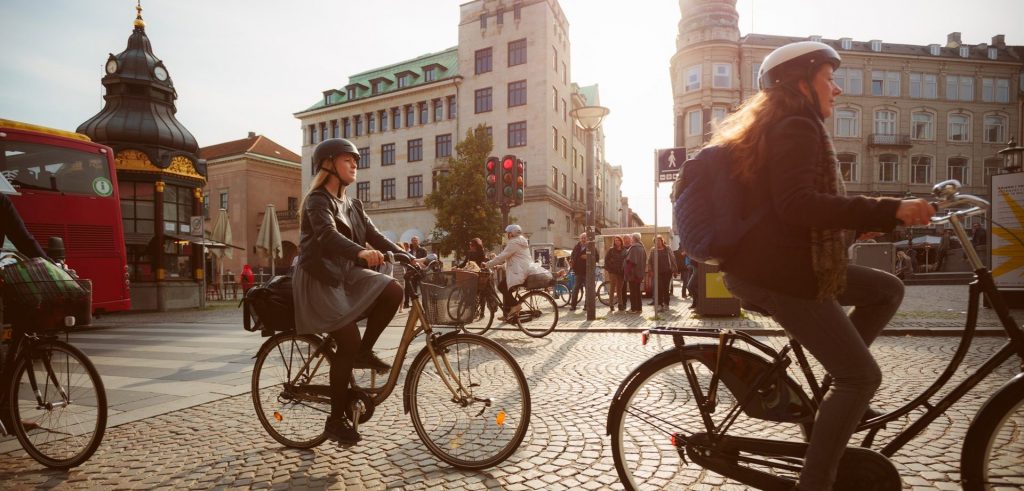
(242, 66)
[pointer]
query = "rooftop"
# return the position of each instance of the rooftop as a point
(253, 144)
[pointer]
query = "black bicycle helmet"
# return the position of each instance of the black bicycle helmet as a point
(794, 62)
(331, 148)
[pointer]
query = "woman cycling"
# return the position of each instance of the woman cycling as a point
(793, 263)
(516, 257)
(475, 254)
(333, 285)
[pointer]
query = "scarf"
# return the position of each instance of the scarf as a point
(828, 246)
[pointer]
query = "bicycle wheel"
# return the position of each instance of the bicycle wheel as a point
(486, 307)
(485, 423)
(292, 397)
(539, 314)
(658, 401)
(560, 293)
(603, 294)
(65, 425)
(994, 447)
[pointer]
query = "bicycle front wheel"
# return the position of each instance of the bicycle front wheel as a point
(660, 400)
(560, 293)
(291, 389)
(484, 423)
(603, 294)
(539, 314)
(484, 318)
(994, 447)
(59, 406)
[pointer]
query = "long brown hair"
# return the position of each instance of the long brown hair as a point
(745, 132)
(318, 180)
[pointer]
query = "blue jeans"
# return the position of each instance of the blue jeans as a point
(840, 343)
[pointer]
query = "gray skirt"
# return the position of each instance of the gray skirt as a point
(321, 308)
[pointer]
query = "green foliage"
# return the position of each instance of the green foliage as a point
(460, 205)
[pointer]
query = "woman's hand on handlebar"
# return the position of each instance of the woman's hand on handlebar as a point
(372, 257)
(915, 212)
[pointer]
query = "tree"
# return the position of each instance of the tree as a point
(460, 205)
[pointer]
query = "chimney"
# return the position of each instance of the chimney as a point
(252, 134)
(999, 41)
(953, 40)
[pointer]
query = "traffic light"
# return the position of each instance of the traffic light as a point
(491, 176)
(520, 181)
(508, 179)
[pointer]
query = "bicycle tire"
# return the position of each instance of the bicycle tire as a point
(656, 401)
(994, 445)
(290, 421)
(603, 294)
(487, 426)
(484, 319)
(63, 433)
(539, 314)
(561, 294)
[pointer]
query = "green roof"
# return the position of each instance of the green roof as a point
(446, 65)
(590, 94)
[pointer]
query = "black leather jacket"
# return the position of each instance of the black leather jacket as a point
(326, 237)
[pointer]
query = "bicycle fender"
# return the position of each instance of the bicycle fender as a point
(406, 389)
(975, 440)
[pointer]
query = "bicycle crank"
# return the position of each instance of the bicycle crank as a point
(361, 408)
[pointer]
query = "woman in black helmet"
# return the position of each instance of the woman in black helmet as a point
(333, 285)
(793, 263)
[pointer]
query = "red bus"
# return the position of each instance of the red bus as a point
(68, 189)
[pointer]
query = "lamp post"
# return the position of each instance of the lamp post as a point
(589, 118)
(1013, 157)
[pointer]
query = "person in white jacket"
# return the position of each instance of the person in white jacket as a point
(516, 257)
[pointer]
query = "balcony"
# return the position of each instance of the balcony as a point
(882, 140)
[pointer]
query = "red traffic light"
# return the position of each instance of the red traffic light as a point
(508, 163)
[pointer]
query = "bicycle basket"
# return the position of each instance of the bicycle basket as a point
(449, 297)
(41, 305)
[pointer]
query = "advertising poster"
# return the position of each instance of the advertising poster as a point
(1007, 253)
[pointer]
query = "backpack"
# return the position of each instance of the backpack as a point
(707, 209)
(269, 307)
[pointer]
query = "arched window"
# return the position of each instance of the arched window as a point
(995, 129)
(923, 127)
(958, 169)
(847, 122)
(888, 167)
(992, 166)
(921, 169)
(959, 127)
(848, 166)
(885, 122)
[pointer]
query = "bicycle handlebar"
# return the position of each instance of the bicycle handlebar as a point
(949, 196)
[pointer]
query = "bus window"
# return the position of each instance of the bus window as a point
(49, 168)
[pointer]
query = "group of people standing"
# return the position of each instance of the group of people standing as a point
(625, 265)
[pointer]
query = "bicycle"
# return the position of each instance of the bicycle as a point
(707, 403)
(537, 316)
(53, 397)
(466, 395)
(561, 291)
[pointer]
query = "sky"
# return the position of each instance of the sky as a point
(249, 65)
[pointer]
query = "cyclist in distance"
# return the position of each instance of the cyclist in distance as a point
(334, 284)
(793, 263)
(475, 253)
(516, 258)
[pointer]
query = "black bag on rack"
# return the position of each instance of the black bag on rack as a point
(270, 307)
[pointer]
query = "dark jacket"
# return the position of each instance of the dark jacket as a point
(419, 253)
(12, 226)
(578, 258)
(326, 238)
(475, 256)
(613, 260)
(776, 254)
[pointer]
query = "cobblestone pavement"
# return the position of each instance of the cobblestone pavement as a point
(572, 377)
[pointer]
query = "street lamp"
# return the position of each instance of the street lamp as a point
(1013, 157)
(589, 118)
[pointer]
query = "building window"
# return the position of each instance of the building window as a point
(517, 93)
(965, 51)
(415, 149)
(483, 20)
(404, 80)
(224, 200)
(848, 166)
(414, 187)
(851, 80)
(351, 93)
(387, 154)
(846, 43)
(517, 52)
(920, 169)
(410, 116)
(993, 53)
(957, 168)
(483, 60)
(692, 78)
(436, 177)
(359, 125)
(888, 168)
(346, 128)
(992, 167)
(517, 134)
(876, 45)
(334, 128)
(959, 127)
(443, 145)
(500, 17)
(565, 74)
(396, 117)
(371, 123)
(311, 130)
(177, 208)
(717, 114)
(323, 131)
(438, 110)
(429, 74)
(723, 76)
(995, 90)
(482, 98)
(363, 191)
(934, 49)
(995, 129)
(554, 57)
(554, 138)
(424, 114)
(847, 123)
(554, 177)
(885, 83)
(885, 122)
(383, 120)
(565, 111)
(364, 158)
(564, 185)
(451, 107)
(387, 189)
(922, 126)
(924, 86)
(959, 88)
(517, 11)
(694, 126)
(565, 149)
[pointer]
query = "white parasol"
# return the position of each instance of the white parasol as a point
(222, 234)
(268, 241)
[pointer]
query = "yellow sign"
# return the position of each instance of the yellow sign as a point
(714, 286)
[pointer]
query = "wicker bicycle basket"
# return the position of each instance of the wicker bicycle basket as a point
(449, 297)
(43, 304)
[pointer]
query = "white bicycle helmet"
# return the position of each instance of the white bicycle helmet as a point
(514, 229)
(795, 61)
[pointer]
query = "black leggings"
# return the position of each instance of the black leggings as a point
(349, 345)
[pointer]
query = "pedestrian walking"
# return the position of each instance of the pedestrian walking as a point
(662, 273)
(416, 252)
(613, 273)
(633, 269)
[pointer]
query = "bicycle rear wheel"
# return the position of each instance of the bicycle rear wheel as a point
(539, 314)
(68, 425)
(485, 423)
(292, 397)
(561, 293)
(657, 401)
(994, 447)
(603, 294)
(485, 308)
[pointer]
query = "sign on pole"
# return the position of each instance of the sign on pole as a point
(670, 160)
(197, 226)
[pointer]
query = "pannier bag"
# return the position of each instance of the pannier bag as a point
(40, 294)
(270, 307)
(538, 277)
